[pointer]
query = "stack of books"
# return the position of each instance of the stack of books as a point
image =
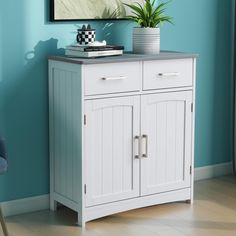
(87, 51)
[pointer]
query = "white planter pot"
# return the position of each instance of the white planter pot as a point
(146, 40)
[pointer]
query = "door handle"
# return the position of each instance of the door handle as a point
(144, 146)
(136, 147)
(113, 78)
(168, 74)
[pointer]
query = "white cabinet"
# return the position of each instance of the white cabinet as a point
(121, 132)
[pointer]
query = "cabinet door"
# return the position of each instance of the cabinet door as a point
(111, 169)
(166, 121)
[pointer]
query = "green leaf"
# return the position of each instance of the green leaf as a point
(148, 15)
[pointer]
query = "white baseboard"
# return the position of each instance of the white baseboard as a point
(212, 171)
(39, 203)
(25, 205)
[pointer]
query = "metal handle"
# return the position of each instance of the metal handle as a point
(168, 74)
(136, 147)
(113, 78)
(145, 153)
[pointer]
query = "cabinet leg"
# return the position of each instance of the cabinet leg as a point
(189, 201)
(53, 205)
(80, 221)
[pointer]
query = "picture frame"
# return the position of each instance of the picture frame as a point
(83, 10)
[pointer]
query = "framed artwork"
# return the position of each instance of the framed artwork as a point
(72, 10)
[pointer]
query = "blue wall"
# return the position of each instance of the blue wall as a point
(27, 38)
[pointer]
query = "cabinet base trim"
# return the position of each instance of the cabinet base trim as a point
(95, 212)
(65, 201)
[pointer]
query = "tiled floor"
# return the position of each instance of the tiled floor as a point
(212, 214)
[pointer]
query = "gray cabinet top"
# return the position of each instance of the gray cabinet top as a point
(126, 57)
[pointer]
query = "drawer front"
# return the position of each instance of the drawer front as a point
(167, 74)
(112, 78)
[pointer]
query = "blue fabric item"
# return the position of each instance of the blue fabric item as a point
(3, 153)
(3, 165)
(3, 157)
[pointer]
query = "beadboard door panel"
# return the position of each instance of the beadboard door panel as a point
(112, 172)
(166, 122)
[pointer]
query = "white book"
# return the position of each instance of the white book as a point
(76, 53)
(87, 48)
(75, 48)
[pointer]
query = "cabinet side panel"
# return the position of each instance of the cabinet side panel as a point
(51, 137)
(66, 133)
(193, 127)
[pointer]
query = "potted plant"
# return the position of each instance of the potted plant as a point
(149, 17)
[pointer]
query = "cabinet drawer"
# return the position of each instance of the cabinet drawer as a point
(167, 74)
(112, 78)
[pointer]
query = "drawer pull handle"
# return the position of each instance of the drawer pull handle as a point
(113, 78)
(168, 74)
(136, 147)
(145, 146)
